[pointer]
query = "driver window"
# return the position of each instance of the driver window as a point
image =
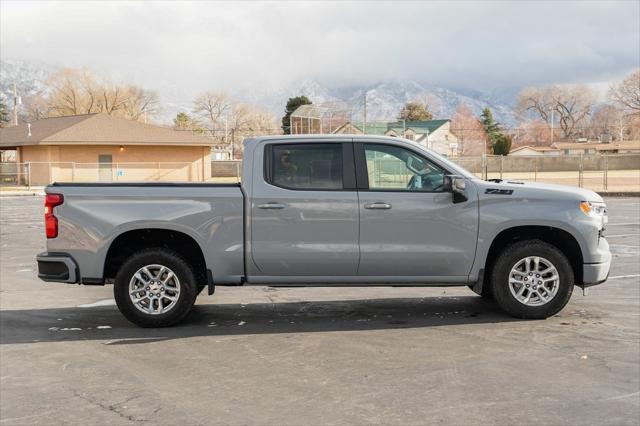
(392, 168)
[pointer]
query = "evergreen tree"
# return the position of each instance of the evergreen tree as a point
(488, 122)
(292, 105)
(184, 121)
(498, 142)
(502, 144)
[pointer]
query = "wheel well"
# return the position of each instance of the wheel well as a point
(563, 240)
(131, 242)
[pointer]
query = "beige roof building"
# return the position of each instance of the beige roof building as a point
(527, 150)
(100, 147)
(628, 147)
(577, 148)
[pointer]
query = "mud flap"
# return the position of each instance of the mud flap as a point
(211, 288)
(477, 287)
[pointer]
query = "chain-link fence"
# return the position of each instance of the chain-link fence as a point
(43, 173)
(619, 172)
(614, 172)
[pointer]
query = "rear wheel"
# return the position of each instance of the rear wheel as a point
(532, 279)
(155, 288)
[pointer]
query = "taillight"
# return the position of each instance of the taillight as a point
(50, 220)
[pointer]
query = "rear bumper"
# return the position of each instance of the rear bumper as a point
(57, 267)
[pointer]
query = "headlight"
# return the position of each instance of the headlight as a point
(595, 210)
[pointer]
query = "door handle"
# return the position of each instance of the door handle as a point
(377, 206)
(271, 206)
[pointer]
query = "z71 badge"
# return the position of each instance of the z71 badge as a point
(498, 191)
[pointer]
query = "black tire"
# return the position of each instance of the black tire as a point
(509, 257)
(182, 270)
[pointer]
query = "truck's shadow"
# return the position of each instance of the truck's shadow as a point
(106, 323)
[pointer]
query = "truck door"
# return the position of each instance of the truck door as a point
(304, 210)
(409, 225)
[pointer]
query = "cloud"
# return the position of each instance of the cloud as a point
(189, 47)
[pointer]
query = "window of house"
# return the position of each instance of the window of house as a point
(306, 166)
(392, 168)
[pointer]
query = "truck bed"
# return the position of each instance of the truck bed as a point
(94, 214)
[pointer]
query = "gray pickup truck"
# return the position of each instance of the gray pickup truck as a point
(327, 210)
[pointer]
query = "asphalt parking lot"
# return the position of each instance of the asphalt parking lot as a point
(272, 356)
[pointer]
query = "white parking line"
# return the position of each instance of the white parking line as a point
(623, 276)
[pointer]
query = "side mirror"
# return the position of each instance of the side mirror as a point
(456, 185)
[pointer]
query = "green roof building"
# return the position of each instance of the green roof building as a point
(432, 134)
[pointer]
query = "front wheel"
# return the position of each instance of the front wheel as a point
(155, 288)
(532, 279)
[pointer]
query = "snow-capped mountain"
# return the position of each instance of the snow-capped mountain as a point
(384, 99)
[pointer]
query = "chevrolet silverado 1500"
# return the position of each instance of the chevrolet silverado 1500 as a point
(327, 210)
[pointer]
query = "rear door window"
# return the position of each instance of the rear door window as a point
(306, 166)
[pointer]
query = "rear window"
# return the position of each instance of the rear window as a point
(306, 166)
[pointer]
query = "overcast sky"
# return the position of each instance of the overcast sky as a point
(201, 45)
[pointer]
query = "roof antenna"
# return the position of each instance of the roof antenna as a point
(29, 129)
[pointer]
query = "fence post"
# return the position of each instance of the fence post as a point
(28, 174)
(535, 169)
(581, 171)
(483, 165)
(238, 171)
(605, 175)
(501, 166)
(73, 171)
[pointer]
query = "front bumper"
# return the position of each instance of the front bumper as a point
(595, 273)
(57, 267)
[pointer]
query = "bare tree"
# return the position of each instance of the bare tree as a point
(73, 91)
(140, 103)
(415, 111)
(213, 107)
(533, 133)
(627, 93)
(573, 105)
(570, 104)
(471, 135)
(535, 101)
(608, 121)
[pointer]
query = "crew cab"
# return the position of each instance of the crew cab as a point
(327, 210)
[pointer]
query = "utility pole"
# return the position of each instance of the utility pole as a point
(621, 130)
(551, 127)
(233, 144)
(15, 105)
(364, 119)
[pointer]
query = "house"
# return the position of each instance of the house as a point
(432, 134)
(100, 147)
(577, 148)
(534, 151)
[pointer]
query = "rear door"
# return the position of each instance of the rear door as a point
(304, 210)
(409, 225)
